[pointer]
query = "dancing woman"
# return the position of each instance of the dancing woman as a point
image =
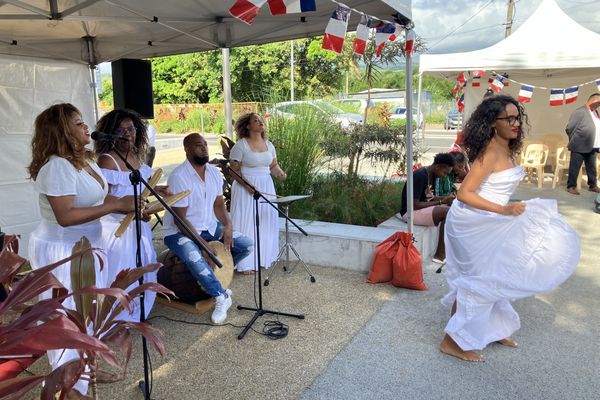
(497, 250)
(254, 157)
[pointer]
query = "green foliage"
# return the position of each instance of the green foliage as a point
(350, 200)
(106, 96)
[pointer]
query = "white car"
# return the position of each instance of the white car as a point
(400, 113)
(289, 109)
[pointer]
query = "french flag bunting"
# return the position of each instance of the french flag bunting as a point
(397, 31)
(460, 83)
(556, 97)
(498, 83)
(598, 83)
(246, 10)
(460, 101)
(571, 94)
(525, 93)
(410, 42)
(336, 30)
(383, 31)
(362, 35)
(279, 7)
(477, 75)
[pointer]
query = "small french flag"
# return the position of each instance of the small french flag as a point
(571, 94)
(498, 83)
(410, 42)
(362, 35)
(279, 7)
(556, 97)
(525, 93)
(336, 29)
(246, 10)
(477, 75)
(598, 83)
(383, 31)
(460, 101)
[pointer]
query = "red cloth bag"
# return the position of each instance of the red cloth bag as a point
(381, 267)
(407, 266)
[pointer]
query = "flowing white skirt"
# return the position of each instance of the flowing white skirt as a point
(492, 259)
(50, 243)
(243, 217)
(120, 254)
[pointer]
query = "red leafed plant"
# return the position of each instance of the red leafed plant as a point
(103, 343)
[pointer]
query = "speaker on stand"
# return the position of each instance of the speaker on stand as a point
(132, 86)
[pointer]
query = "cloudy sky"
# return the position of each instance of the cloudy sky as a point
(450, 26)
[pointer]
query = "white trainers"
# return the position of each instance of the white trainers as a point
(222, 304)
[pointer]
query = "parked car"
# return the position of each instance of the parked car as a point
(400, 113)
(289, 109)
(353, 105)
(454, 120)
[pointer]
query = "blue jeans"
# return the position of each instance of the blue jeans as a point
(188, 252)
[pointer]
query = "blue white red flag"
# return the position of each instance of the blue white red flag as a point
(410, 42)
(362, 35)
(246, 10)
(525, 93)
(335, 31)
(477, 75)
(460, 102)
(556, 97)
(498, 83)
(571, 94)
(279, 7)
(383, 31)
(460, 83)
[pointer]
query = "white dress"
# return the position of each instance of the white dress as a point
(51, 242)
(255, 169)
(121, 251)
(492, 259)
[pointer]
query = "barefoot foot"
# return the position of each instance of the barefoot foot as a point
(508, 342)
(450, 347)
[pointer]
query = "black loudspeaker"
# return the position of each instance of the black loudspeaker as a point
(132, 86)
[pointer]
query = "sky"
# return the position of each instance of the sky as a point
(450, 26)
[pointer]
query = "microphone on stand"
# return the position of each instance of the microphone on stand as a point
(97, 135)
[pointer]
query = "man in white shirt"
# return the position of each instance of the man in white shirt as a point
(204, 212)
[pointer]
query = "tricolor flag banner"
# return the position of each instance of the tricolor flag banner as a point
(383, 31)
(246, 10)
(460, 101)
(598, 83)
(556, 97)
(498, 83)
(477, 75)
(279, 7)
(410, 42)
(525, 93)
(571, 94)
(397, 31)
(362, 35)
(336, 30)
(460, 83)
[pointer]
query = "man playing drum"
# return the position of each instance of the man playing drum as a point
(204, 212)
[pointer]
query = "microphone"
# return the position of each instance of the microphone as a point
(97, 135)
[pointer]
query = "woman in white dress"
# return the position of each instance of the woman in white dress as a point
(72, 198)
(121, 251)
(255, 158)
(497, 250)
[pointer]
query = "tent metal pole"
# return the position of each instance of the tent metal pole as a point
(227, 93)
(420, 124)
(89, 40)
(409, 141)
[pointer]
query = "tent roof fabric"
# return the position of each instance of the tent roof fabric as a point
(149, 28)
(548, 40)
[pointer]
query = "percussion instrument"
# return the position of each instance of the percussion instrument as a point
(145, 193)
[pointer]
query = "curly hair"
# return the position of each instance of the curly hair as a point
(241, 126)
(479, 131)
(444, 159)
(53, 135)
(110, 122)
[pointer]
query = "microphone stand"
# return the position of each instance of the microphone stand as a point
(260, 311)
(136, 178)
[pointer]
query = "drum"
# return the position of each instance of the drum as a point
(175, 275)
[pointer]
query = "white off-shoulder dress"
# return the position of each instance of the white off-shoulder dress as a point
(51, 242)
(492, 259)
(255, 169)
(121, 251)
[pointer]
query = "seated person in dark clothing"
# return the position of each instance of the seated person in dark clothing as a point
(430, 210)
(445, 186)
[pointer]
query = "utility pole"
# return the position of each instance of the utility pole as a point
(509, 17)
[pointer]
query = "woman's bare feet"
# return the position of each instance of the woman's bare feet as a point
(450, 347)
(508, 342)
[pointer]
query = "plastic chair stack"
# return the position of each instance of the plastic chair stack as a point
(535, 158)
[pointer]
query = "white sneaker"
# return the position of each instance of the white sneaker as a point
(222, 304)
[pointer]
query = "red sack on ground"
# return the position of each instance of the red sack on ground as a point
(381, 267)
(407, 266)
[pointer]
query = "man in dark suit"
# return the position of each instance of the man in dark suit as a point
(582, 129)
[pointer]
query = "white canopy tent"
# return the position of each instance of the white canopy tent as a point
(550, 50)
(50, 49)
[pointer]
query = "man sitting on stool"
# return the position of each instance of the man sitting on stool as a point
(200, 211)
(430, 210)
